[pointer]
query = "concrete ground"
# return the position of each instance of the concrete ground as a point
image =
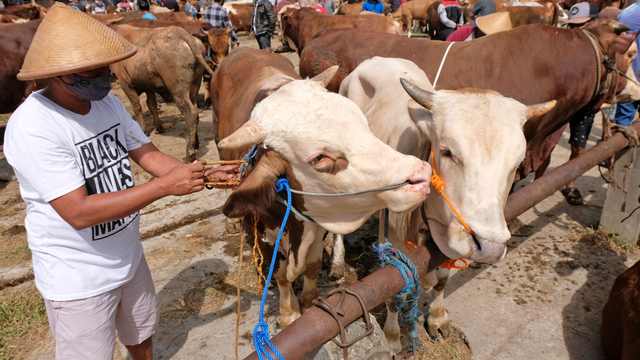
(543, 301)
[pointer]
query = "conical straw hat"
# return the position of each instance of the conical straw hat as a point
(493, 23)
(69, 41)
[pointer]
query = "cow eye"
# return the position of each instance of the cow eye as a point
(446, 153)
(317, 159)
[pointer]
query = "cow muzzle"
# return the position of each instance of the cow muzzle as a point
(485, 251)
(411, 195)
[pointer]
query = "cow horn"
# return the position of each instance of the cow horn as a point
(326, 76)
(421, 96)
(540, 109)
(247, 135)
(619, 28)
(204, 32)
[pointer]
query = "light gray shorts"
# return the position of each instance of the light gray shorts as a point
(85, 328)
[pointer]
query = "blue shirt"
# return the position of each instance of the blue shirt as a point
(376, 8)
(631, 17)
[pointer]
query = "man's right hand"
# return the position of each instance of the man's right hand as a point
(183, 179)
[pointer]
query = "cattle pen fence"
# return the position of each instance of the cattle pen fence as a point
(315, 327)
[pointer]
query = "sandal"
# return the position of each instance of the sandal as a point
(572, 195)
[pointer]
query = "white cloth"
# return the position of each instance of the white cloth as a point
(54, 151)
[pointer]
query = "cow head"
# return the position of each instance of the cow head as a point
(320, 142)
(478, 143)
(219, 42)
(617, 44)
(631, 91)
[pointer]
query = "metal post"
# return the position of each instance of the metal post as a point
(316, 327)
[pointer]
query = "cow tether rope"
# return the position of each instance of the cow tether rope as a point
(441, 64)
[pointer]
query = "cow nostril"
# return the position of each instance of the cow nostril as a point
(475, 240)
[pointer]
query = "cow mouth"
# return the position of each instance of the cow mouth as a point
(485, 251)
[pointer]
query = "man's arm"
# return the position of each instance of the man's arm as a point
(272, 17)
(81, 210)
(154, 161)
(444, 19)
(474, 11)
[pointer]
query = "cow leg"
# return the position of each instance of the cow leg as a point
(206, 79)
(193, 96)
(314, 266)
(134, 98)
(152, 103)
(289, 305)
(337, 257)
(392, 327)
(543, 167)
(438, 318)
(190, 114)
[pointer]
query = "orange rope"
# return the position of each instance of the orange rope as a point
(438, 184)
(451, 264)
(261, 276)
(409, 244)
(223, 182)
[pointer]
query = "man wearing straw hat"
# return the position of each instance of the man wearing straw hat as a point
(70, 145)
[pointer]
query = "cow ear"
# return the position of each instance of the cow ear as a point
(246, 136)
(423, 119)
(620, 44)
(257, 191)
(421, 96)
(539, 109)
(326, 76)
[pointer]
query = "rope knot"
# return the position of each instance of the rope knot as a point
(280, 184)
(250, 159)
(437, 183)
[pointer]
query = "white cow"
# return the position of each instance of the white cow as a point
(320, 142)
(478, 143)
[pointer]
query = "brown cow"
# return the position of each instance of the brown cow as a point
(299, 26)
(620, 329)
(174, 16)
(240, 15)
(162, 66)
(343, 8)
(531, 64)
(27, 11)
(218, 40)
(195, 28)
(289, 123)
(15, 40)
(412, 10)
(10, 19)
(121, 18)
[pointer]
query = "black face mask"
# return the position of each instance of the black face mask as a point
(91, 89)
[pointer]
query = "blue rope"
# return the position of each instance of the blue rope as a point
(250, 159)
(261, 331)
(409, 309)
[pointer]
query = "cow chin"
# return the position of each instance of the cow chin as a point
(456, 242)
(346, 223)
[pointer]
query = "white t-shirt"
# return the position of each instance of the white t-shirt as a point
(54, 151)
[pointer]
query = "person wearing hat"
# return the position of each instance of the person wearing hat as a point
(69, 145)
(485, 25)
(580, 125)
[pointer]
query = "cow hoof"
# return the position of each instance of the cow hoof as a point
(433, 334)
(395, 345)
(160, 130)
(287, 320)
(445, 332)
(337, 272)
(233, 226)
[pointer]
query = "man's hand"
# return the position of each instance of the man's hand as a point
(183, 179)
(221, 174)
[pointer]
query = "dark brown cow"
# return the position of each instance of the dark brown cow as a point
(620, 330)
(27, 11)
(15, 40)
(162, 66)
(195, 28)
(240, 15)
(299, 26)
(532, 64)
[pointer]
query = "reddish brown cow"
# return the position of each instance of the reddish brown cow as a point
(299, 26)
(15, 40)
(119, 18)
(532, 64)
(174, 16)
(195, 28)
(28, 11)
(240, 15)
(412, 10)
(10, 19)
(620, 330)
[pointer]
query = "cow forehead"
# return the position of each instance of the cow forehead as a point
(304, 110)
(469, 117)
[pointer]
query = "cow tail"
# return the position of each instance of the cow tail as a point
(196, 52)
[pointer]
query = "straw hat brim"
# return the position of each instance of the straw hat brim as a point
(69, 41)
(493, 23)
(580, 20)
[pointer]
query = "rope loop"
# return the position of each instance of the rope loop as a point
(409, 308)
(451, 264)
(250, 159)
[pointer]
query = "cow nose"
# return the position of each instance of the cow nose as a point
(421, 175)
(485, 251)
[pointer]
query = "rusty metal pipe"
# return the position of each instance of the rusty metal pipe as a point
(316, 327)
(527, 197)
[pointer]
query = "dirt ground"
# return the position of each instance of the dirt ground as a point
(543, 301)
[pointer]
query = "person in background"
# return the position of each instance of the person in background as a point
(394, 5)
(581, 123)
(218, 17)
(482, 8)
(485, 25)
(143, 5)
(612, 11)
(373, 6)
(281, 4)
(124, 5)
(98, 7)
(191, 10)
(264, 23)
(320, 7)
(328, 5)
(171, 4)
(451, 18)
(626, 112)
(78, 6)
